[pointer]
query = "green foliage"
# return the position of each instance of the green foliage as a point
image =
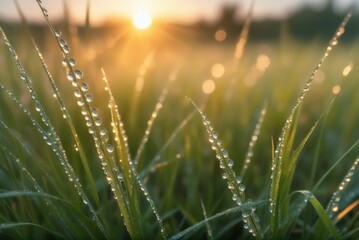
(70, 170)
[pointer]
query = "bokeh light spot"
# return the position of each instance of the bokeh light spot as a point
(336, 89)
(208, 86)
(220, 35)
(217, 70)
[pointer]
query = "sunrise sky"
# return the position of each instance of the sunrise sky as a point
(171, 10)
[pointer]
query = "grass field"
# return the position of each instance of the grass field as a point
(182, 132)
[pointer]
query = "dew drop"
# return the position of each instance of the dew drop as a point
(94, 112)
(62, 42)
(58, 33)
(72, 62)
(80, 102)
(239, 180)
(84, 87)
(64, 62)
(78, 74)
(38, 108)
(66, 49)
(103, 132)
(110, 148)
(91, 130)
(230, 162)
(89, 98)
(225, 176)
(98, 122)
(70, 76)
(214, 135)
(77, 93)
(242, 187)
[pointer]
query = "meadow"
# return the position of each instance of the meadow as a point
(141, 135)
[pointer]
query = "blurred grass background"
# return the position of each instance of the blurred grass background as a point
(272, 70)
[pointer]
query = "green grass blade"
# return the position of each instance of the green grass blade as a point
(127, 165)
(350, 235)
(333, 205)
(154, 115)
(208, 226)
(241, 208)
(285, 140)
(254, 138)
(326, 174)
(49, 133)
(63, 109)
(6, 226)
(157, 158)
(234, 183)
(323, 216)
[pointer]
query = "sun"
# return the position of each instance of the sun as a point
(142, 19)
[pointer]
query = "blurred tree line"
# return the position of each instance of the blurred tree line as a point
(306, 23)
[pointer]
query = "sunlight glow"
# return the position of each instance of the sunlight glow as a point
(142, 19)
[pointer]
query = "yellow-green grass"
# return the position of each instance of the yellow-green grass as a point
(181, 180)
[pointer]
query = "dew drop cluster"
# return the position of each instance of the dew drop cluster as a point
(250, 219)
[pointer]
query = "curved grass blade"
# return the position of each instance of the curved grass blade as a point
(49, 205)
(173, 135)
(253, 141)
(5, 226)
(209, 230)
(126, 164)
(240, 46)
(350, 235)
(241, 208)
(154, 115)
(49, 133)
(326, 174)
(139, 83)
(283, 148)
(323, 216)
(63, 109)
(333, 205)
(235, 186)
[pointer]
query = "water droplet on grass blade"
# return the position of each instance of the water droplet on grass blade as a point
(72, 62)
(80, 102)
(84, 87)
(78, 74)
(98, 122)
(110, 148)
(70, 76)
(95, 112)
(89, 98)
(77, 93)
(58, 33)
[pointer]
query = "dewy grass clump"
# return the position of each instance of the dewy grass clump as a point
(70, 186)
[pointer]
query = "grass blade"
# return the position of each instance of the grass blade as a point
(241, 208)
(154, 115)
(253, 141)
(283, 148)
(323, 216)
(234, 183)
(63, 109)
(209, 230)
